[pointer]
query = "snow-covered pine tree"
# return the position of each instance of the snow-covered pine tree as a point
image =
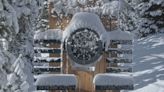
(17, 19)
(149, 16)
(6, 60)
(42, 20)
(127, 17)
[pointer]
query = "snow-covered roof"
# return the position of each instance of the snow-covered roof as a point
(56, 80)
(106, 79)
(51, 34)
(84, 20)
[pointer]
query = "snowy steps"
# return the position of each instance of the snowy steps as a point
(50, 77)
(108, 86)
(47, 50)
(118, 74)
(125, 49)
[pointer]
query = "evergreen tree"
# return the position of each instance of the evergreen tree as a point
(17, 23)
(149, 16)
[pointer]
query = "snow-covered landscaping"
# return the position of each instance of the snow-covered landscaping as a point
(27, 43)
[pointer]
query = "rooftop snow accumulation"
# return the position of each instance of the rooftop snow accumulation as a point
(56, 80)
(117, 35)
(51, 34)
(106, 79)
(84, 20)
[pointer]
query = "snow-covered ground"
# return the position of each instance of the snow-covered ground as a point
(149, 64)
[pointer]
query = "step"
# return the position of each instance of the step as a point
(119, 51)
(47, 41)
(47, 59)
(118, 69)
(47, 50)
(56, 82)
(112, 81)
(118, 60)
(46, 69)
(123, 42)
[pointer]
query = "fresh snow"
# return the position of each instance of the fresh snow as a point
(119, 35)
(44, 48)
(17, 17)
(51, 34)
(22, 11)
(157, 1)
(46, 67)
(84, 20)
(11, 78)
(111, 79)
(11, 17)
(148, 64)
(48, 59)
(5, 59)
(157, 86)
(156, 13)
(25, 86)
(56, 79)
